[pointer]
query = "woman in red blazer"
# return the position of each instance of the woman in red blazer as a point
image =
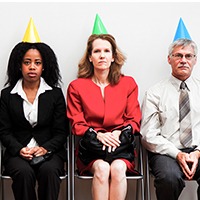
(33, 122)
(104, 101)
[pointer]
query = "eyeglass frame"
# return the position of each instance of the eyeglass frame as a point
(179, 56)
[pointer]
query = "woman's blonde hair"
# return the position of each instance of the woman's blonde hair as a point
(85, 67)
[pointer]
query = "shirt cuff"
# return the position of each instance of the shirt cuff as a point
(173, 153)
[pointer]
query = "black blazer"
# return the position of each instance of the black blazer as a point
(51, 129)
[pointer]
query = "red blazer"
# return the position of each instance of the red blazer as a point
(87, 108)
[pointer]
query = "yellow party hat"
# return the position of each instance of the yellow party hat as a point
(31, 34)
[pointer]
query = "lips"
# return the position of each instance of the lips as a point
(183, 67)
(32, 75)
(102, 62)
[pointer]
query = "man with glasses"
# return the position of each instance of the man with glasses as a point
(171, 123)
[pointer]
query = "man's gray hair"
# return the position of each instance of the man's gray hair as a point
(183, 43)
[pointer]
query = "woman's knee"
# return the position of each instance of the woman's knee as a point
(18, 167)
(52, 167)
(24, 174)
(101, 169)
(118, 169)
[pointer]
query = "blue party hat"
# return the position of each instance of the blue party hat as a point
(181, 32)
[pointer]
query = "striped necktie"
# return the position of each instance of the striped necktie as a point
(184, 116)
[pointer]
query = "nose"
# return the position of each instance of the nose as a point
(32, 66)
(183, 60)
(102, 55)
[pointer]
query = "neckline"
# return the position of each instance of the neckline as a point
(98, 85)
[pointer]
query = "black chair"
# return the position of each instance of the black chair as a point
(139, 166)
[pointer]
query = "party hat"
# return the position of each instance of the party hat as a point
(31, 34)
(181, 32)
(98, 27)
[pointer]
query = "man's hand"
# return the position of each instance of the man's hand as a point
(194, 157)
(188, 163)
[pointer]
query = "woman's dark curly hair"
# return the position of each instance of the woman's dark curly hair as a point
(51, 73)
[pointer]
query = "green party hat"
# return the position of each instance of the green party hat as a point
(98, 27)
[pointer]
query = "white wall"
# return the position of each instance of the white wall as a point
(143, 32)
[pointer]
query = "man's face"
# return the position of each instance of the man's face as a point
(182, 61)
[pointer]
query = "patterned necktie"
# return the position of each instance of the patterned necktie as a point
(184, 116)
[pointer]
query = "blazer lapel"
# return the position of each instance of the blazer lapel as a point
(44, 108)
(17, 109)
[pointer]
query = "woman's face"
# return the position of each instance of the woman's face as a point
(101, 55)
(32, 66)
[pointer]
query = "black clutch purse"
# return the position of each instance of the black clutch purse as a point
(90, 148)
(40, 159)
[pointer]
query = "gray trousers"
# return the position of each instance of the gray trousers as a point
(169, 178)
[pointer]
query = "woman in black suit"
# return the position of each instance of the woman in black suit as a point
(33, 122)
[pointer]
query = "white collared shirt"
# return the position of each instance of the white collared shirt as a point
(160, 116)
(31, 110)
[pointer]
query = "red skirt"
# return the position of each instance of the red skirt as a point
(85, 169)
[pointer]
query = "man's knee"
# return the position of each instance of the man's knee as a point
(170, 180)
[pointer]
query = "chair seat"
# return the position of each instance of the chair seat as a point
(136, 177)
(89, 176)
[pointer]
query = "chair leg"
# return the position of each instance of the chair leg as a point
(141, 189)
(72, 167)
(2, 189)
(147, 185)
(68, 168)
(141, 168)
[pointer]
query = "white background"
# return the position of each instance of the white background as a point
(143, 30)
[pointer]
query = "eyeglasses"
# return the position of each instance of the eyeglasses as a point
(179, 56)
